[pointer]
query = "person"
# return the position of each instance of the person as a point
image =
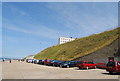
(3, 60)
(10, 60)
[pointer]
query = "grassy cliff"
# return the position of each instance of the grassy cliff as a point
(79, 47)
(28, 57)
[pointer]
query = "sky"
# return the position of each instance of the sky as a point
(30, 27)
(1, 30)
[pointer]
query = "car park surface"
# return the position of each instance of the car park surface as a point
(23, 70)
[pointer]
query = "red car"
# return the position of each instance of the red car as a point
(113, 67)
(86, 65)
(48, 62)
(101, 65)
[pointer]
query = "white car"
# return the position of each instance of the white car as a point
(30, 60)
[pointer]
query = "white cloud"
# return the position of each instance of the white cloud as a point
(70, 16)
(41, 31)
(75, 19)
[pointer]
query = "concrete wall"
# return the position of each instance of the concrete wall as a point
(103, 54)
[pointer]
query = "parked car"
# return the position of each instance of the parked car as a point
(53, 61)
(39, 62)
(113, 67)
(48, 62)
(33, 60)
(42, 62)
(69, 64)
(30, 60)
(26, 60)
(101, 65)
(57, 63)
(86, 65)
(36, 61)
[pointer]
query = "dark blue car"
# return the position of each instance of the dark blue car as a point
(57, 63)
(41, 62)
(69, 64)
(52, 62)
(37, 61)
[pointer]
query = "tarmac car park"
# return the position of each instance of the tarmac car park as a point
(22, 70)
(111, 66)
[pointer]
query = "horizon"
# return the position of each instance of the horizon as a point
(27, 29)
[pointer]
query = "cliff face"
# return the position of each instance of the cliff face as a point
(102, 55)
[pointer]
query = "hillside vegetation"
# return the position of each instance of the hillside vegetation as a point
(79, 47)
(28, 57)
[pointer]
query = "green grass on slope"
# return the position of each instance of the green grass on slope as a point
(27, 57)
(79, 47)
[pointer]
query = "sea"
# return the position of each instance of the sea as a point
(7, 58)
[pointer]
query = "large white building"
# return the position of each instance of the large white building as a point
(65, 39)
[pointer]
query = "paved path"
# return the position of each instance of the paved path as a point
(22, 70)
(0, 70)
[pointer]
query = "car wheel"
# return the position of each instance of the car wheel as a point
(68, 66)
(61, 66)
(95, 67)
(110, 72)
(87, 67)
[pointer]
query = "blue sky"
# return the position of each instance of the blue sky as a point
(0, 30)
(28, 28)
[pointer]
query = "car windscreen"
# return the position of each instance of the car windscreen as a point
(111, 64)
(63, 61)
(56, 61)
(40, 60)
(72, 62)
(67, 62)
(89, 62)
(60, 61)
(51, 60)
(100, 64)
(80, 62)
(118, 63)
